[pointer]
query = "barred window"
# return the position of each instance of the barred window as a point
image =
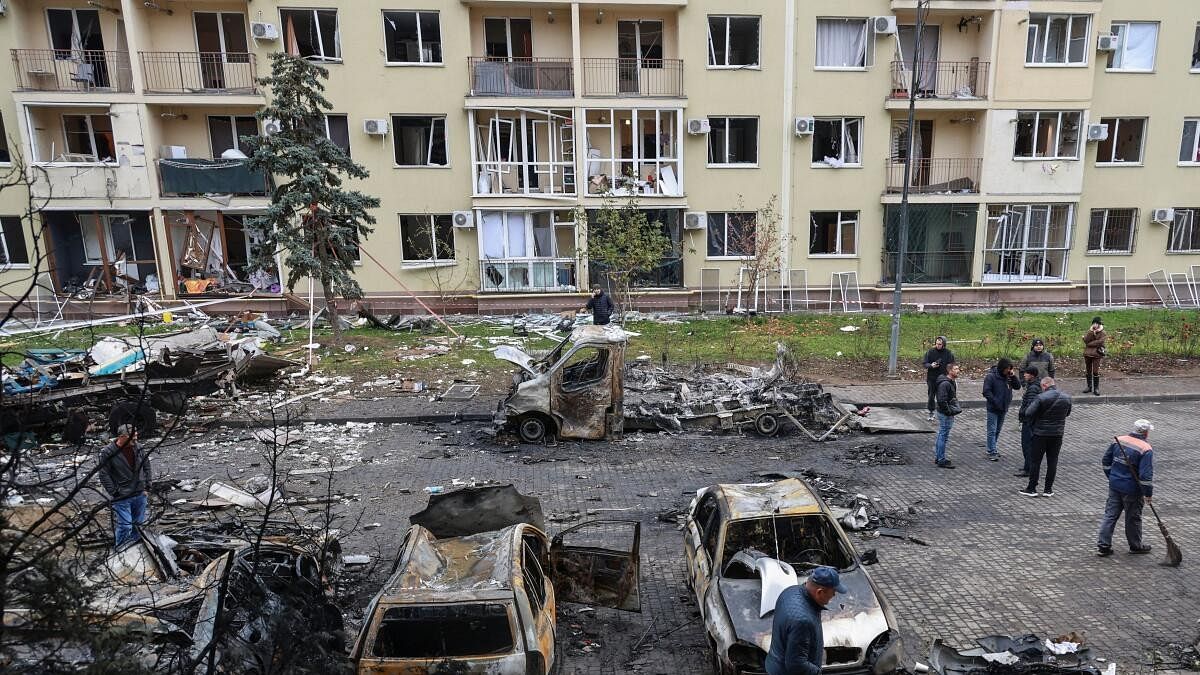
(1111, 230)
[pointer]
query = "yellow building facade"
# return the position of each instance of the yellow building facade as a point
(1055, 148)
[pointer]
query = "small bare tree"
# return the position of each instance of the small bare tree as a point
(625, 242)
(758, 239)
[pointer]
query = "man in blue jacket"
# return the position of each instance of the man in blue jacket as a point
(998, 386)
(1126, 493)
(797, 641)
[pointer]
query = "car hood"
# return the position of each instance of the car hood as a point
(853, 618)
(515, 355)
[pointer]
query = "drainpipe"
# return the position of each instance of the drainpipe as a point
(789, 91)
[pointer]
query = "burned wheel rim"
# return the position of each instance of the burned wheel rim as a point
(532, 429)
(766, 424)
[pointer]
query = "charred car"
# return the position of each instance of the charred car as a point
(484, 602)
(741, 540)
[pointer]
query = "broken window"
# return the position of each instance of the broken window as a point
(842, 43)
(311, 33)
(437, 631)
(1137, 42)
(833, 233)
(12, 242)
(225, 132)
(1196, 49)
(427, 238)
(1047, 134)
(1057, 39)
(5, 156)
(1027, 242)
(837, 141)
(1184, 236)
(1124, 142)
(1189, 146)
(585, 367)
(412, 37)
(532, 575)
(89, 138)
(732, 41)
(708, 521)
(804, 542)
(419, 140)
(337, 129)
(508, 39)
(1111, 230)
(731, 234)
(733, 140)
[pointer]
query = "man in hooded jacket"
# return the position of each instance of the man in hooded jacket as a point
(998, 386)
(1039, 358)
(936, 362)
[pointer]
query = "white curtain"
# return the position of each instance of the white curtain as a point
(492, 233)
(841, 43)
(850, 133)
(516, 235)
(1138, 51)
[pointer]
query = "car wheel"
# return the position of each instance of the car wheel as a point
(766, 425)
(533, 428)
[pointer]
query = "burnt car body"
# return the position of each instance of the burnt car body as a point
(486, 602)
(729, 527)
(574, 391)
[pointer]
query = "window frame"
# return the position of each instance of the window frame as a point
(420, 42)
(1195, 154)
(433, 118)
(1067, 63)
(5, 151)
(1121, 46)
(1113, 132)
(842, 152)
(711, 51)
(1195, 67)
(91, 136)
(1193, 214)
(712, 119)
(328, 135)
(233, 120)
(337, 32)
(726, 216)
(7, 263)
(431, 221)
(1128, 250)
(868, 50)
(1058, 129)
(841, 221)
(1027, 208)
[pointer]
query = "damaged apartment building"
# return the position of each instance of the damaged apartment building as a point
(1053, 157)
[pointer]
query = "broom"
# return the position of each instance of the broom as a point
(1174, 555)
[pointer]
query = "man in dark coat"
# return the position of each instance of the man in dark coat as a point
(1039, 358)
(935, 364)
(600, 305)
(1033, 388)
(1125, 492)
(797, 641)
(998, 386)
(1048, 413)
(947, 409)
(125, 474)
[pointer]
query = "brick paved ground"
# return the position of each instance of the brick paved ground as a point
(996, 562)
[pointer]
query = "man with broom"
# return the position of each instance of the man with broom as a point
(1129, 465)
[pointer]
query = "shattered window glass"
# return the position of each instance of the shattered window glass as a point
(585, 367)
(802, 541)
(428, 632)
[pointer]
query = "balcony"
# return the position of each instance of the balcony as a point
(188, 177)
(73, 70)
(527, 274)
(634, 77)
(941, 80)
(937, 176)
(198, 73)
(520, 77)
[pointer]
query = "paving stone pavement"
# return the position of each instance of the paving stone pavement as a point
(996, 562)
(1116, 389)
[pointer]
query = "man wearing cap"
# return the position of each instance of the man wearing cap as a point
(797, 642)
(1039, 358)
(1126, 493)
(1033, 387)
(125, 474)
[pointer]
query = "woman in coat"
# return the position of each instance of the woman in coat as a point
(1094, 350)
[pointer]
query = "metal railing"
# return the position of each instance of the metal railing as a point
(77, 70)
(960, 80)
(943, 175)
(930, 267)
(520, 77)
(186, 177)
(633, 77)
(198, 72)
(527, 274)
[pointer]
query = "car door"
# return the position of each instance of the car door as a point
(700, 545)
(538, 591)
(597, 563)
(581, 391)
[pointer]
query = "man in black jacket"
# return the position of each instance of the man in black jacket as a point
(1048, 413)
(937, 360)
(947, 408)
(1033, 388)
(125, 474)
(998, 387)
(797, 641)
(601, 306)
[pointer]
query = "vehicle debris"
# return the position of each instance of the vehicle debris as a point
(1021, 655)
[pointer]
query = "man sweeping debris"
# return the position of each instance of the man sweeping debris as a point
(1130, 473)
(125, 475)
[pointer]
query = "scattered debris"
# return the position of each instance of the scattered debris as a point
(1022, 655)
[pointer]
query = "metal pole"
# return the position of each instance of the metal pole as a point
(902, 253)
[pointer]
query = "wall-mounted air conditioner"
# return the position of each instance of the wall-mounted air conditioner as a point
(1107, 43)
(173, 152)
(803, 126)
(695, 220)
(375, 127)
(463, 219)
(262, 30)
(1163, 216)
(1097, 132)
(884, 25)
(271, 127)
(698, 126)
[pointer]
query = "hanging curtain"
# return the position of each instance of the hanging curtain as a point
(516, 235)
(850, 131)
(1138, 50)
(841, 43)
(492, 232)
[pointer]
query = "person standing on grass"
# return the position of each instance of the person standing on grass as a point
(1033, 388)
(600, 305)
(1125, 493)
(1048, 413)
(125, 474)
(937, 360)
(947, 408)
(1093, 350)
(1039, 358)
(998, 386)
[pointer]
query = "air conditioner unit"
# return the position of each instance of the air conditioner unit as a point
(375, 127)
(1097, 132)
(1164, 216)
(173, 152)
(884, 25)
(1107, 43)
(271, 127)
(464, 219)
(695, 220)
(804, 126)
(698, 126)
(262, 30)
(3, 8)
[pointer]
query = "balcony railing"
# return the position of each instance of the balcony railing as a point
(953, 80)
(198, 72)
(520, 77)
(76, 70)
(633, 77)
(527, 274)
(185, 177)
(936, 176)
(930, 267)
